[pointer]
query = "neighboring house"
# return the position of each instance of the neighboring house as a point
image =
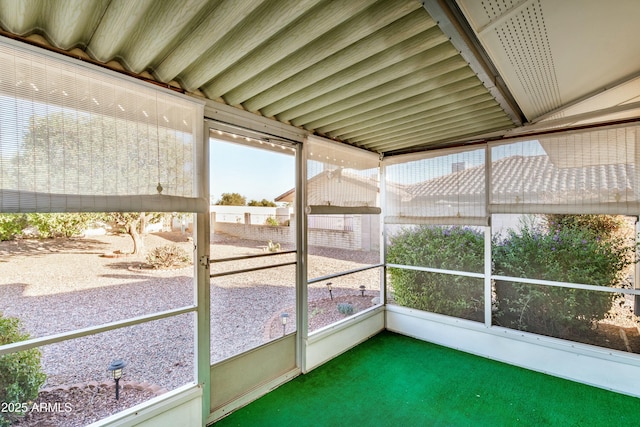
(341, 188)
(338, 188)
(534, 179)
(531, 180)
(517, 180)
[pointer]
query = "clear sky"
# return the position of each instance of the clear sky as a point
(254, 173)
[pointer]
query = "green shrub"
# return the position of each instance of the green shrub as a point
(168, 256)
(272, 221)
(273, 247)
(562, 253)
(605, 226)
(345, 308)
(20, 373)
(12, 226)
(50, 225)
(450, 248)
(616, 230)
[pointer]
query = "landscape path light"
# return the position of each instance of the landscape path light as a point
(284, 317)
(362, 288)
(330, 289)
(116, 371)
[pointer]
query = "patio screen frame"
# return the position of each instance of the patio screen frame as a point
(194, 200)
(628, 204)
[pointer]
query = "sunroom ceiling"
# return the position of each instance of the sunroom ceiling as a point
(389, 76)
(380, 75)
(569, 62)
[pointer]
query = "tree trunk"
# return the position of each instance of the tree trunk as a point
(143, 223)
(132, 230)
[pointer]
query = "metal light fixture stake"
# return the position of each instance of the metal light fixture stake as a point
(330, 289)
(116, 371)
(284, 317)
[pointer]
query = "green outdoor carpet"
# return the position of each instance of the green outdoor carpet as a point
(393, 380)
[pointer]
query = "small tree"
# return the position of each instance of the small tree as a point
(134, 224)
(129, 223)
(232, 199)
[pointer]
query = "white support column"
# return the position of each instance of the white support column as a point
(487, 276)
(203, 299)
(636, 276)
(487, 237)
(383, 234)
(302, 296)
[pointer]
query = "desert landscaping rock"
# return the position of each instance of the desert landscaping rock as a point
(60, 285)
(57, 286)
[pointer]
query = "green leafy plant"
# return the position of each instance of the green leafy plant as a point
(273, 247)
(263, 202)
(272, 221)
(345, 308)
(232, 199)
(450, 248)
(168, 256)
(12, 225)
(21, 375)
(50, 225)
(561, 252)
(46, 225)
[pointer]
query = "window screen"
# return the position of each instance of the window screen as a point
(76, 138)
(341, 179)
(443, 187)
(589, 172)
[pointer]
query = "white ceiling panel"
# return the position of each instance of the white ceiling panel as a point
(553, 53)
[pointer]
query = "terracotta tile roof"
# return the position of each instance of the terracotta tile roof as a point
(534, 176)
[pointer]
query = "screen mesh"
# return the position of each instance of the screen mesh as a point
(589, 172)
(75, 138)
(443, 187)
(341, 179)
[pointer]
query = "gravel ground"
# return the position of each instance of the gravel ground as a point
(96, 400)
(56, 286)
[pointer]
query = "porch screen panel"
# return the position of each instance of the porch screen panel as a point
(341, 179)
(77, 138)
(438, 187)
(587, 172)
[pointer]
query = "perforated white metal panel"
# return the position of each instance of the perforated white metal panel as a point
(554, 53)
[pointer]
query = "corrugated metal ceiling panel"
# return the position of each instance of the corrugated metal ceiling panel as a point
(380, 75)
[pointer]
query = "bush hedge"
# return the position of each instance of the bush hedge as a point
(20, 373)
(51, 225)
(562, 252)
(12, 225)
(46, 225)
(450, 248)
